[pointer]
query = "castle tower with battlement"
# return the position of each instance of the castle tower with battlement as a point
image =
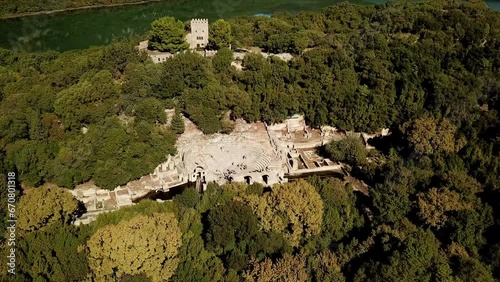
(198, 37)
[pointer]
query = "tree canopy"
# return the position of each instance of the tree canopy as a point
(288, 268)
(168, 35)
(220, 34)
(428, 71)
(350, 150)
(142, 245)
(294, 209)
(46, 205)
(177, 123)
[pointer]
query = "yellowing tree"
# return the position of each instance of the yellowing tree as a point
(427, 136)
(288, 268)
(142, 245)
(434, 205)
(326, 266)
(294, 209)
(42, 206)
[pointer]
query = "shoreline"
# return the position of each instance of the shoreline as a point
(28, 14)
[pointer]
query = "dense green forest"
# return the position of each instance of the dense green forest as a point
(14, 7)
(428, 71)
(50, 100)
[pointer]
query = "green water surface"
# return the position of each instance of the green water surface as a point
(84, 28)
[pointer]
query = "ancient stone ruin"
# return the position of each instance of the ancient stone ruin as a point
(252, 152)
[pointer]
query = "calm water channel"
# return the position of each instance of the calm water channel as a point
(85, 28)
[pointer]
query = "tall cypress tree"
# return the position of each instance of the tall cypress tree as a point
(177, 124)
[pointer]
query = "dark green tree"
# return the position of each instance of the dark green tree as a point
(168, 35)
(220, 35)
(350, 150)
(232, 231)
(340, 214)
(177, 124)
(89, 101)
(54, 254)
(186, 70)
(150, 110)
(222, 60)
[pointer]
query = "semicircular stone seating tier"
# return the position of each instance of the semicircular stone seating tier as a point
(261, 163)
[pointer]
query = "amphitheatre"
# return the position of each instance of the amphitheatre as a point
(252, 152)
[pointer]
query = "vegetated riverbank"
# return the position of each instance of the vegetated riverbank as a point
(83, 28)
(48, 12)
(68, 9)
(80, 29)
(492, 4)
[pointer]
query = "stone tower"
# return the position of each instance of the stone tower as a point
(198, 38)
